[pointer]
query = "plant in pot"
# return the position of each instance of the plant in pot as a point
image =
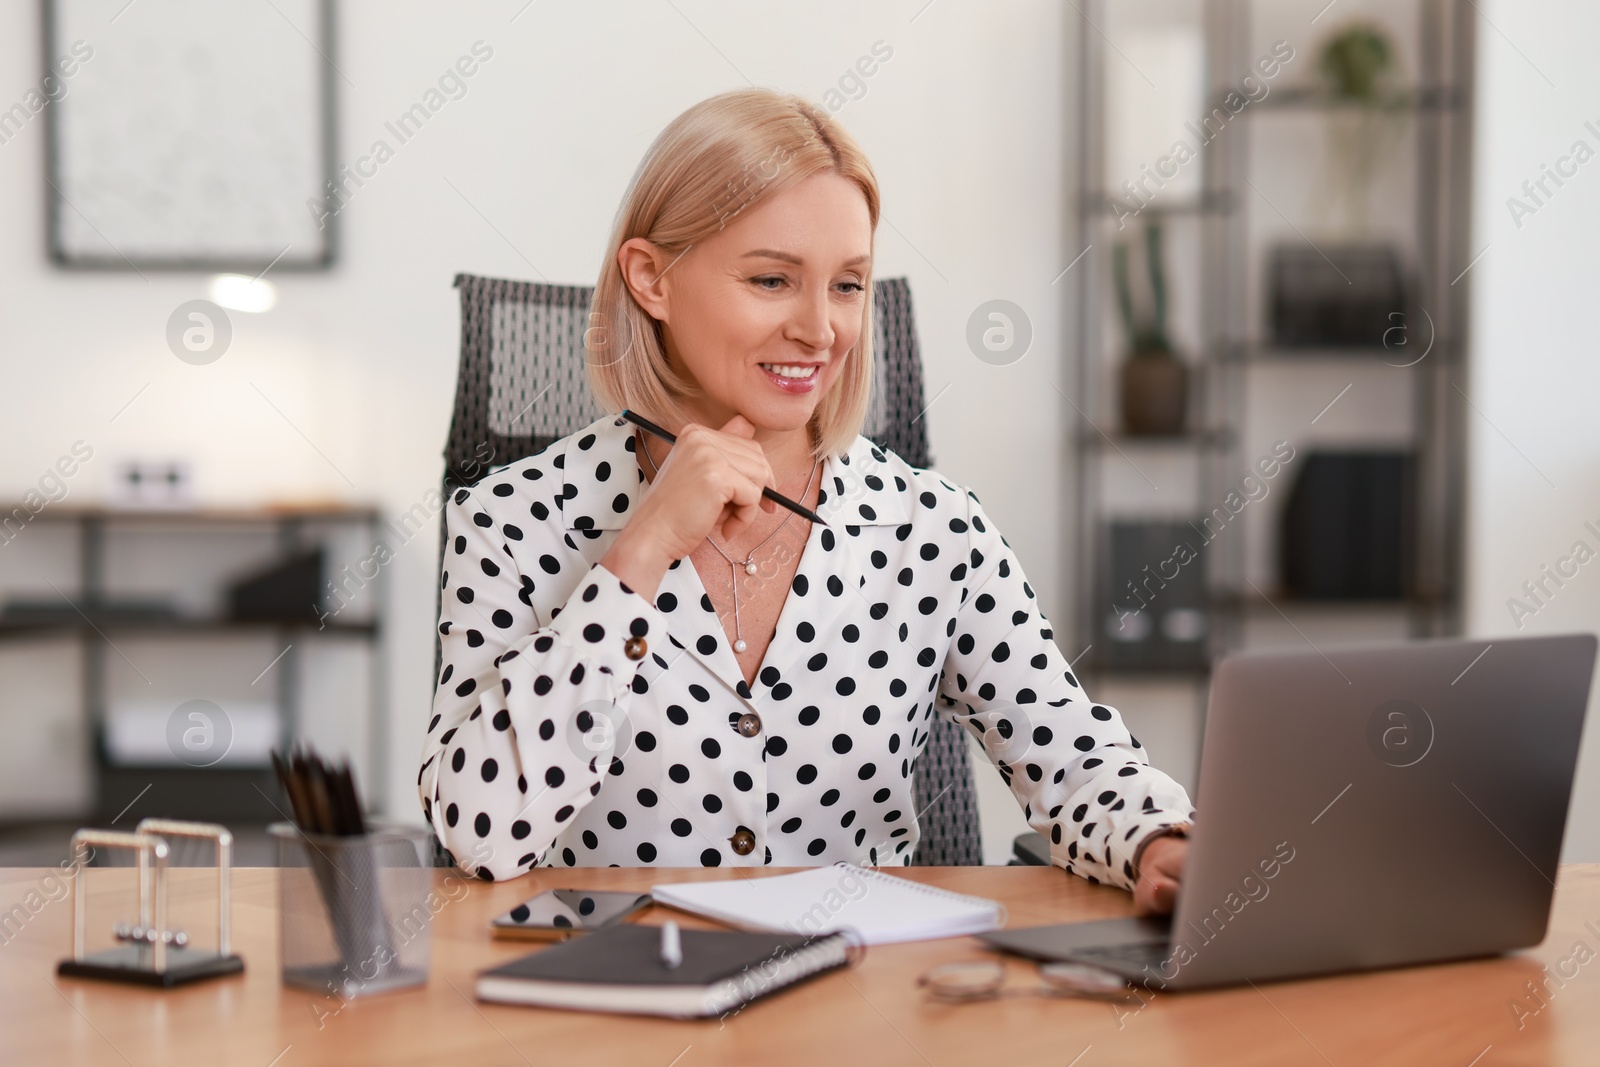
(1155, 382)
(1359, 67)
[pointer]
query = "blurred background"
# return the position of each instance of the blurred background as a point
(1252, 323)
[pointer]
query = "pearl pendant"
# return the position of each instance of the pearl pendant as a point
(739, 645)
(750, 566)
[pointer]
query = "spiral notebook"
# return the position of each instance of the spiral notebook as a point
(881, 908)
(619, 969)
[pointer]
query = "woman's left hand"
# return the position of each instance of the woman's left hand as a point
(1160, 870)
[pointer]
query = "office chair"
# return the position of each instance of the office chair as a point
(521, 387)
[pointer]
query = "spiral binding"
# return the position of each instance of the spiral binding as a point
(792, 965)
(923, 887)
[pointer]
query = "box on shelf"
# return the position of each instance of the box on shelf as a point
(1152, 610)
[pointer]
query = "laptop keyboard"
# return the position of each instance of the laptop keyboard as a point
(1136, 954)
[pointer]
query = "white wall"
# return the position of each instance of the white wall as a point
(965, 125)
(1534, 470)
(520, 178)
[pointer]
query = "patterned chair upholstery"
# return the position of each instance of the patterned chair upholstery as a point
(521, 386)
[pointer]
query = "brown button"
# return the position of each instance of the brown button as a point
(744, 842)
(749, 724)
(635, 648)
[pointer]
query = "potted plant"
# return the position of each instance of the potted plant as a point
(1155, 382)
(1359, 68)
(1357, 64)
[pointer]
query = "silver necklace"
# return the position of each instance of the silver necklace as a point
(749, 561)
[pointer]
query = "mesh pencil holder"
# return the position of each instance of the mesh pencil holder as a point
(353, 911)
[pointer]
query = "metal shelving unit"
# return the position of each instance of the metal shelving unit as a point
(96, 619)
(1230, 346)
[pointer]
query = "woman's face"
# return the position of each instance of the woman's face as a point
(762, 313)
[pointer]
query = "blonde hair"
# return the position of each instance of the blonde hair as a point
(721, 156)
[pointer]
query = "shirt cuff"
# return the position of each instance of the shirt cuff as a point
(609, 624)
(1158, 830)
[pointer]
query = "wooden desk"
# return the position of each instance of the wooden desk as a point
(872, 1014)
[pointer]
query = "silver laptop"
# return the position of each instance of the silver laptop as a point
(1362, 807)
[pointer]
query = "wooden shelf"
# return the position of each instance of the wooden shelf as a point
(1276, 600)
(187, 627)
(269, 514)
(1262, 352)
(1195, 439)
(1102, 669)
(1095, 202)
(1412, 99)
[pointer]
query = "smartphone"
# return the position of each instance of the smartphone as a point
(558, 914)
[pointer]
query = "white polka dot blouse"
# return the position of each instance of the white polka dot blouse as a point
(577, 723)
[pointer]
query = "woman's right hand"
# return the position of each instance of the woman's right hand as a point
(711, 482)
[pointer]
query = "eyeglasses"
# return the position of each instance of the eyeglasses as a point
(973, 980)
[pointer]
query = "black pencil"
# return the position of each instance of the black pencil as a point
(766, 491)
(324, 798)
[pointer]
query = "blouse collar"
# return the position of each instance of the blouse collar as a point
(601, 481)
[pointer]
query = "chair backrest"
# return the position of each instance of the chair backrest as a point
(521, 386)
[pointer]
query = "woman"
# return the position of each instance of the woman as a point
(647, 662)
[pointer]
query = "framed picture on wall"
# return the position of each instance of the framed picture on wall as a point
(190, 134)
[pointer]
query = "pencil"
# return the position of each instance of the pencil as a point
(766, 491)
(350, 800)
(324, 797)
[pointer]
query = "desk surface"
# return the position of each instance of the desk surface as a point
(1459, 1014)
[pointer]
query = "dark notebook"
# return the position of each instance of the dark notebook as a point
(619, 969)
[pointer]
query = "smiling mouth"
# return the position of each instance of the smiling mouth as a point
(795, 371)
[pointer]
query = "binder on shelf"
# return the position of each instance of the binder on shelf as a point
(1345, 533)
